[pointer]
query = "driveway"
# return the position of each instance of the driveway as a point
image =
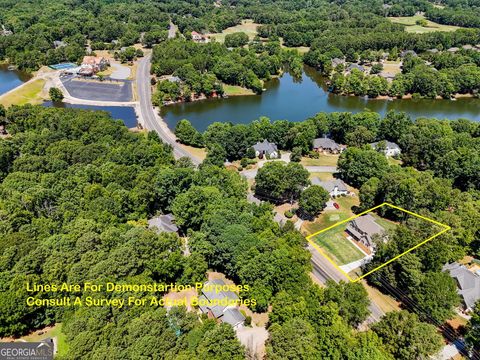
(115, 91)
(120, 72)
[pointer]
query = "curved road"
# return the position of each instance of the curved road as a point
(151, 120)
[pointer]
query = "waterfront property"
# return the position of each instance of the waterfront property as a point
(387, 147)
(326, 145)
(266, 149)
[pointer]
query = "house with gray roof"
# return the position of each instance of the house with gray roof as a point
(334, 187)
(163, 223)
(326, 145)
(407, 52)
(266, 149)
(391, 149)
(364, 228)
(337, 61)
(468, 284)
(220, 304)
(355, 66)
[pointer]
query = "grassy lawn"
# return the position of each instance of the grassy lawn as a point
(326, 219)
(28, 94)
(233, 90)
(247, 26)
(412, 27)
(50, 332)
(338, 246)
(323, 160)
(199, 153)
(392, 67)
(386, 224)
(322, 176)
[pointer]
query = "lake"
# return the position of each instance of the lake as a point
(296, 100)
(11, 79)
(125, 113)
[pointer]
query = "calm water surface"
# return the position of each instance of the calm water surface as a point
(124, 113)
(11, 79)
(296, 100)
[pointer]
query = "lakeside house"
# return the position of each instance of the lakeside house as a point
(93, 64)
(355, 66)
(220, 304)
(199, 38)
(326, 145)
(337, 61)
(468, 284)
(266, 149)
(334, 187)
(163, 223)
(363, 229)
(391, 149)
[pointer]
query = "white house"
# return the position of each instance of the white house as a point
(391, 149)
(266, 148)
(334, 187)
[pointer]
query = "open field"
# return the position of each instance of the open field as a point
(338, 247)
(412, 27)
(233, 90)
(323, 160)
(392, 67)
(247, 26)
(27, 94)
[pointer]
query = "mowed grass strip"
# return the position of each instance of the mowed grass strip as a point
(412, 27)
(27, 94)
(337, 246)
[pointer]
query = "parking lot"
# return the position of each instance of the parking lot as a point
(87, 89)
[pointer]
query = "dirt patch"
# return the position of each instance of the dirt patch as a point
(185, 297)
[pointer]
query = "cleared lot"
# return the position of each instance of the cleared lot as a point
(119, 91)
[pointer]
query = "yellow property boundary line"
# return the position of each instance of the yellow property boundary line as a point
(446, 228)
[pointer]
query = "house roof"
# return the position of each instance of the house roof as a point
(468, 283)
(453, 49)
(233, 317)
(164, 223)
(325, 143)
(367, 225)
(388, 144)
(355, 66)
(265, 147)
(92, 60)
(330, 185)
(58, 43)
(210, 294)
(337, 61)
(406, 52)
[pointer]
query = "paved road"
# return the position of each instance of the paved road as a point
(323, 271)
(151, 119)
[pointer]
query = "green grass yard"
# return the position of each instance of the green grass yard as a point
(247, 26)
(323, 160)
(412, 27)
(337, 246)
